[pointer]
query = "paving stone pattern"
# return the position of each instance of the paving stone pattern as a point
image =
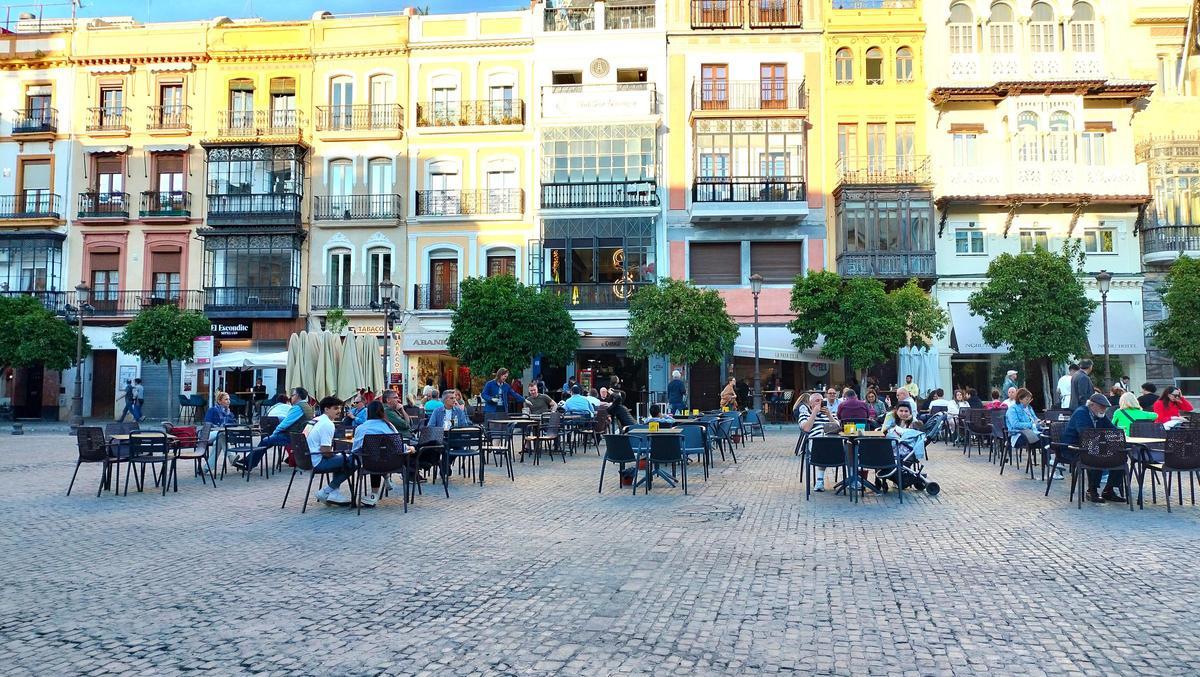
(545, 576)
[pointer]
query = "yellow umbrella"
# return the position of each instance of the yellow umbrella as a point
(349, 376)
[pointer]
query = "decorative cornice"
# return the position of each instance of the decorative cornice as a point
(476, 44)
(139, 60)
(359, 53)
(260, 57)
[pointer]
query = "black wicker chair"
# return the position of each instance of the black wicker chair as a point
(93, 448)
(382, 455)
(1180, 455)
(1101, 450)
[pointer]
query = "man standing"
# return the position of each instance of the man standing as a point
(139, 398)
(910, 386)
(1081, 385)
(297, 417)
(497, 393)
(1010, 382)
(539, 403)
(1064, 386)
(676, 392)
(320, 447)
(1091, 415)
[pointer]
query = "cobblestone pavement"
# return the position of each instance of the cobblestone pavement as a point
(545, 576)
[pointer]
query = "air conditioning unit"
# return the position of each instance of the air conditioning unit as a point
(253, 301)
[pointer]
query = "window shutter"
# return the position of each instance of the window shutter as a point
(165, 262)
(716, 262)
(777, 262)
(106, 261)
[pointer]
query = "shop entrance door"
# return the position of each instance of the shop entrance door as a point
(704, 386)
(609, 363)
(104, 384)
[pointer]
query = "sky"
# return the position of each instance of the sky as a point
(177, 10)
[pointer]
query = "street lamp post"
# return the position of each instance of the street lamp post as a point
(1104, 281)
(387, 292)
(756, 282)
(81, 300)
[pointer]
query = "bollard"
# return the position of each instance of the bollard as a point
(18, 429)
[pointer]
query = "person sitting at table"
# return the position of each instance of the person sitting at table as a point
(852, 408)
(1130, 410)
(218, 416)
(280, 408)
(376, 423)
(901, 418)
(1171, 406)
(1091, 415)
(960, 402)
(452, 413)
(1021, 422)
(432, 403)
(973, 399)
(816, 420)
(876, 406)
(295, 421)
(1010, 399)
(937, 398)
(394, 411)
(356, 409)
(594, 397)
(1148, 397)
(578, 404)
(320, 447)
(537, 402)
(657, 415)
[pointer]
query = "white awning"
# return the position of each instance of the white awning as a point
(1126, 330)
(111, 68)
(104, 150)
(968, 332)
(167, 147)
(167, 67)
(775, 343)
(246, 360)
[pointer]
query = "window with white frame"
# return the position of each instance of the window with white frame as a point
(966, 149)
(904, 64)
(1029, 140)
(1092, 148)
(341, 184)
(1042, 37)
(444, 100)
(341, 102)
(339, 277)
(968, 240)
(874, 70)
(844, 66)
(379, 268)
(1001, 29)
(1083, 28)
(1060, 141)
(443, 196)
(1100, 240)
(1032, 238)
(502, 196)
(962, 29)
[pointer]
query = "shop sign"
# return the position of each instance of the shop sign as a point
(232, 330)
(202, 350)
(603, 343)
(431, 342)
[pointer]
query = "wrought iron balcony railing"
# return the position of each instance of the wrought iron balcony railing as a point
(54, 301)
(470, 202)
(749, 189)
(596, 295)
(166, 203)
(891, 264)
(629, 18)
(435, 296)
(1170, 239)
(162, 118)
(480, 113)
(129, 303)
(599, 194)
(569, 19)
(356, 207)
(717, 13)
(35, 121)
(254, 208)
(776, 14)
(94, 205)
(722, 95)
(360, 117)
(31, 204)
(883, 169)
(108, 119)
(249, 124)
(252, 301)
(344, 296)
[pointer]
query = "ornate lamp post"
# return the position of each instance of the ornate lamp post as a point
(1104, 281)
(391, 313)
(81, 301)
(756, 283)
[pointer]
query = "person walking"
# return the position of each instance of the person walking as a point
(1081, 385)
(729, 394)
(129, 403)
(1010, 381)
(676, 392)
(139, 398)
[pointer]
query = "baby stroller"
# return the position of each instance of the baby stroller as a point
(910, 449)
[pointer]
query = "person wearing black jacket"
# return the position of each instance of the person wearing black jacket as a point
(1148, 397)
(616, 399)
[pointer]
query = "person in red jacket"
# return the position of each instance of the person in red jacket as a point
(1171, 405)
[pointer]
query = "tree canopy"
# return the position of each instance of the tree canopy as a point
(500, 322)
(1179, 332)
(677, 319)
(862, 321)
(31, 335)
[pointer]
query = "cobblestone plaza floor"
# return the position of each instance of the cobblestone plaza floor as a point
(545, 576)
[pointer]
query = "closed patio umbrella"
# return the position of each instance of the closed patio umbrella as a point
(295, 362)
(372, 364)
(349, 376)
(333, 354)
(314, 367)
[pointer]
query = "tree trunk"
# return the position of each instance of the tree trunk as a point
(1046, 391)
(171, 400)
(861, 374)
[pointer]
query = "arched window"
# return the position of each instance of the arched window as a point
(904, 64)
(1002, 29)
(339, 277)
(341, 102)
(844, 61)
(874, 71)
(501, 261)
(1060, 142)
(379, 268)
(1083, 28)
(1041, 29)
(962, 29)
(1029, 140)
(381, 187)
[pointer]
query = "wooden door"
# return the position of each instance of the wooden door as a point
(443, 283)
(104, 384)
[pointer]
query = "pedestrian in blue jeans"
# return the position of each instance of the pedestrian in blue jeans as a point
(297, 417)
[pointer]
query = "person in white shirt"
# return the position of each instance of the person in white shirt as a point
(1012, 397)
(281, 407)
(939, 400)
(1064, 387)
(320, 448)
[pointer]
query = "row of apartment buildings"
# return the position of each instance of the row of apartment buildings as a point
(268, 172)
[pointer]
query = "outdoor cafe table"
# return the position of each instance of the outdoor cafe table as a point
(1141, 458)
(670, 479)
(851, 445)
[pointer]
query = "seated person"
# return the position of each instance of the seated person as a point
(537, 402)
(324, 459)
(594, 397)
(852, 408)
(218, 416)
(814, 416)
(657, 415)
(452, 413)
(432, 403)
(395, 412)
(376, 423)
(902, 425)
(297, 418)
(281, 407)
(578, 404)
(938, 399)
(1021, 422)
(1130, 410)
(1091, 415)
(1171, 407)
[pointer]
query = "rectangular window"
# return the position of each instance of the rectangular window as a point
(166, 285)
(1001, 37)
(773, 85)
(631, 75)
(962, 38)
(877, 145)
(906, 134)
(1093, 148)
(715, 263)
(501, 265)
(566, 78)
(1083, 37)
(968, 241)
(847, 141)
(1041, 37)
(37, 101)
(109, 175)
(714, 86)
(966, 149)
(777, 262)
(165, 276)
(1100, 240)
(1031, 239)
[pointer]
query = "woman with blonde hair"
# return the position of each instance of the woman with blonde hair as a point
(1130, 410)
